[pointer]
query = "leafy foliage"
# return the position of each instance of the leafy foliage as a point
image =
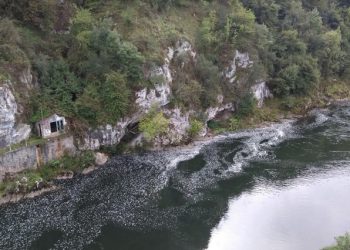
(343, 243)
(195, 128)
(247, 105)
(153, 124)
(89, 69)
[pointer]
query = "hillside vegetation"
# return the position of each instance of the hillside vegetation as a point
(90, 56)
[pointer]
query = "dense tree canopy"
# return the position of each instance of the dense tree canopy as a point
(90, 55)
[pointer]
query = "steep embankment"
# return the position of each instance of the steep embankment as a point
(161, 73)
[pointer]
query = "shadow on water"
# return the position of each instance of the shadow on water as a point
(171, 197)
(193, 165)
(47, 240)
(115, 237)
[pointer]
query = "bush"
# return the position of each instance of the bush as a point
(189, 94)
(208, 75)
(106, 52)
(115, 95)
(292, 103)
(153, 124)
(342, 243)
(246, 105)
(337, 90)
(195, 127)
(59, 87)
(234, 123)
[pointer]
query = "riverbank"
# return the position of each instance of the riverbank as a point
(31, 183)
(34, 182)
(163, 199)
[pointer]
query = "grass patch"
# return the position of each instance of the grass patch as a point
(338, 90)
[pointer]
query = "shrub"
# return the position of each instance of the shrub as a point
(342, 243)
(208, 75)
(234, 123)
(153, 124)
(82, 21)
(195, 127)
(292, 103)
(115, 95)
(337, 90)
(246, 105)
(189, 94)
(59, 86)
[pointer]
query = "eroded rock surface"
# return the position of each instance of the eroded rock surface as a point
(10, 132)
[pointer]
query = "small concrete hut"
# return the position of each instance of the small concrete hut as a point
(51, 126)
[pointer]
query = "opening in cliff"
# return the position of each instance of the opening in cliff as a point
(129, 140)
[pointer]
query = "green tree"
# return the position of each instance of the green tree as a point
(246, 105)
(207, 30)
(189, 94)
(342, 243)
(89, 106)
(105, 51)
(60, 87)
(240, 24)
(115, 95)
(331, 54)
(208, 75)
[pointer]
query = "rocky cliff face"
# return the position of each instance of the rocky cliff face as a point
(242, 61)
(239, 61)
(179, 123)
(160, 94)
(10, 132)
(145, 99)
(261, 92)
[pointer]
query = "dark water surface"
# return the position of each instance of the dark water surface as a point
(282, 187)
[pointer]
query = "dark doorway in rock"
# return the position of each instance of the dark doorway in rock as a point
(53, 127)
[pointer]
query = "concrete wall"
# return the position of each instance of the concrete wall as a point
(34, 156)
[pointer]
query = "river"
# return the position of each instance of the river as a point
(286, 186)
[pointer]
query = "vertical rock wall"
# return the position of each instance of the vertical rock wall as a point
(35, 155)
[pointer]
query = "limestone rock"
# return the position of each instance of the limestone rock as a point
(240, 60)
(178, 126)
(10, 133)
(261, 92)
(26, 78)
(183, 47)
(100, 159)
(106, 135)
(159, 95)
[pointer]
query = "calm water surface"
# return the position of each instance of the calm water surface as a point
(282, 187)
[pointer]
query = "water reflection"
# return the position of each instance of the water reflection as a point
(305, 214)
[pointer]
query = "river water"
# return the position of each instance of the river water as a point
(286, 186)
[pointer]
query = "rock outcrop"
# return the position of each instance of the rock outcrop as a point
(145, 99)
(160, 96)
(26, 78)
(10, 133)
(178, 128)
(240, 60)
(100, 159)
(261, 92)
